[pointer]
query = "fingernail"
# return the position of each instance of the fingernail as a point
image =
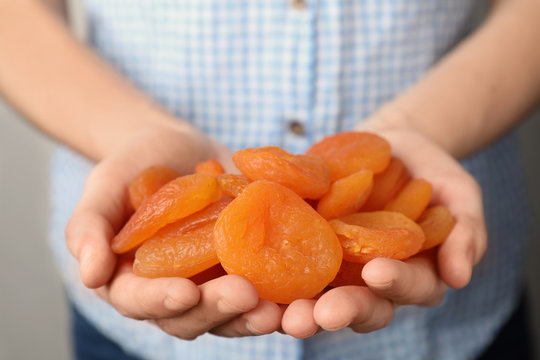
(173, 304)
(84, 257)
(85, 267)
(383, 285)
(226, 307)
(252, 330)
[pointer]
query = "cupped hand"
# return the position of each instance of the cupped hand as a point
(421, 280)
(227, 306)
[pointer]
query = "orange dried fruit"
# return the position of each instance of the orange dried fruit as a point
(182, 255)
(201, 217)
(148, 182)
(412, 200)
(306, 175)
(346, 195)
(350, 273)
(437, 223)
(386, 185)
(352, 151)
(272, 237)
(209, 167)
(183, 248)
(177, 199)
(232, 184)
(368, 235)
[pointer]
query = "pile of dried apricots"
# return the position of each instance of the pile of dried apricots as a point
(292, 224)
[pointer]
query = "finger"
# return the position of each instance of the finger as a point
(93, 224)
(298, 320)
(222, 300)
(467, 242)
(265, 318)
(87, 238)
(142, 298)
(415, 281)
(463, 248)
(354, 306)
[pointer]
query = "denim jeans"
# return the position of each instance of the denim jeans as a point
(88, 343)
(512, 342)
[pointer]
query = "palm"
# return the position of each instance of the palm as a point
(227, 306)
(420, 280)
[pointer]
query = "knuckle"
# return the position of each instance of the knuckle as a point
(376, 322)
(164, 325)
(385, 320)
(140, 302)
(434, 300)
(371, 311)
(173, 328)
(189, 337)
(121, 307)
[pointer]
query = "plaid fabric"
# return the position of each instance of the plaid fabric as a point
(242, 71)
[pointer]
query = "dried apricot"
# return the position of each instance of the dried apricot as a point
(272, 237)
(182, 255)
(352, 151)
(437, 223)
(148, 182)
(201, 217)
(183, 248)
(178, 198)
(350, 273)
(412, 200)
(346, 195)
(306, 175)
(368, 235)
(232, 184)
(209, 167)
(386, 185)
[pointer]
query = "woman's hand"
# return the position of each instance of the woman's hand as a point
(421, 280)
(227, 306)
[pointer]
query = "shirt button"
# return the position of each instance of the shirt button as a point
(298, 4)
(297, 128)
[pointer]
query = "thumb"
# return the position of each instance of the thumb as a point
(96, 219)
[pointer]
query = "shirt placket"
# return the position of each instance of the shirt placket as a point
(298, 73)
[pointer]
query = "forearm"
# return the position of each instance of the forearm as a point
(480, 89)
(65, 89)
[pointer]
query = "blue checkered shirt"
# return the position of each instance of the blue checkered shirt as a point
(243, 72)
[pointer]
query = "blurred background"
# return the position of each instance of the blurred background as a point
(33, 318)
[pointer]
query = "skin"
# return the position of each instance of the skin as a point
(466, 90)
(421, 280)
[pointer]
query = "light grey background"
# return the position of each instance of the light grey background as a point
(33, 322)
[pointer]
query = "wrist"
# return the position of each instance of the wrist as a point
(171, 143)
(145, 122)
(388, 117)
(393, 121)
